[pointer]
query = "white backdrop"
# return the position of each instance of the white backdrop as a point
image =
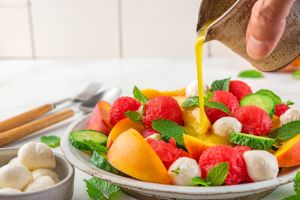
(99, 29)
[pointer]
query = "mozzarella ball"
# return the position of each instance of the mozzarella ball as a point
(261, 165)
(45, 172)
(191, 89)
(15, 161)
(36, 155)
(9, 191)
(183, 170)
(155, 136)
(290, 115)
(15, 176)
(40, 183)
(226, 125)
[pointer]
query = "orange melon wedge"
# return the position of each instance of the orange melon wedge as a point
(132, 155)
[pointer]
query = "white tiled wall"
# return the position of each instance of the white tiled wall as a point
(15, 38)
(99, 28)
(76, 28)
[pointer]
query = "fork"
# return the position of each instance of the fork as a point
(33, 114)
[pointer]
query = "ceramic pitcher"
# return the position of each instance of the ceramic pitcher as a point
(230, 25)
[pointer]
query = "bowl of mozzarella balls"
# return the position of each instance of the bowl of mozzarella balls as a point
(35, 172)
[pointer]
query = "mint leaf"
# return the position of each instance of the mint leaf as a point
(102, 163)
(95, 146)
(289, 103)
(296, 74)
(297, 183)
(250, 74)
(194, 102)
(169, 129)
(220, 85)
(51, 140)
(191, 102)
(176, 171)
(217, 175)
(293, 197)
(98, 189)
(208, 96)
(217, 105)
(286, 131)
(138, 95)
(197, 181)
(134, 116)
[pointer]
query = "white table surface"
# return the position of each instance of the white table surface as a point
(26, 84)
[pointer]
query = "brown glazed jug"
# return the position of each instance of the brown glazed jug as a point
(230, 24)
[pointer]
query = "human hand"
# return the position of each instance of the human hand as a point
(266, 26)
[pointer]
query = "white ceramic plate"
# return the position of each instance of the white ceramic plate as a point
(145, 190)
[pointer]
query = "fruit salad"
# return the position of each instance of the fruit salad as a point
(155, 136)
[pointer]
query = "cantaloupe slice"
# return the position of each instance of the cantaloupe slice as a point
(151, 93)
(288, 155)
(195, 146)
(132, 155)
(120, 127)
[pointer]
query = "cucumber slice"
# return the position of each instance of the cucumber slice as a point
(271, 94)
(260, 100)
(78, 138)
(252, 141)
(102, 163)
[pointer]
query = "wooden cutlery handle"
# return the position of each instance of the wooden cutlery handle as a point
(27, 129)
(24, 117)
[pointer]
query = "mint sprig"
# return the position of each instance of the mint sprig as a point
(296, 188)
(194, 102)
(297, 183)
(215, 177)
(139, 96)
(134, 116)
(176, 171)
(51, 140)
(296, 74)
(286, 131)
(217, 105)
(191, 102)
(220, 85)
(198, 181)
(169, 129)
(293, 197)
(250, 74)
(98, 189)
(289, 103)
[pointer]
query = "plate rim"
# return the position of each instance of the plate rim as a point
(156, 187)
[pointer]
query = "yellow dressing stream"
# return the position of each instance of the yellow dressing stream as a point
(204, 121)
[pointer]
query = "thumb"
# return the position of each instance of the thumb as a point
(266, 26)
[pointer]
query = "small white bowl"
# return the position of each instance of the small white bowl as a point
(60, 191)
(145, 190)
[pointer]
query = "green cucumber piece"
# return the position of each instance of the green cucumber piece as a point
(102, 163)
(252, 141)
(271, 94)
(260, 100)
(78, 139)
